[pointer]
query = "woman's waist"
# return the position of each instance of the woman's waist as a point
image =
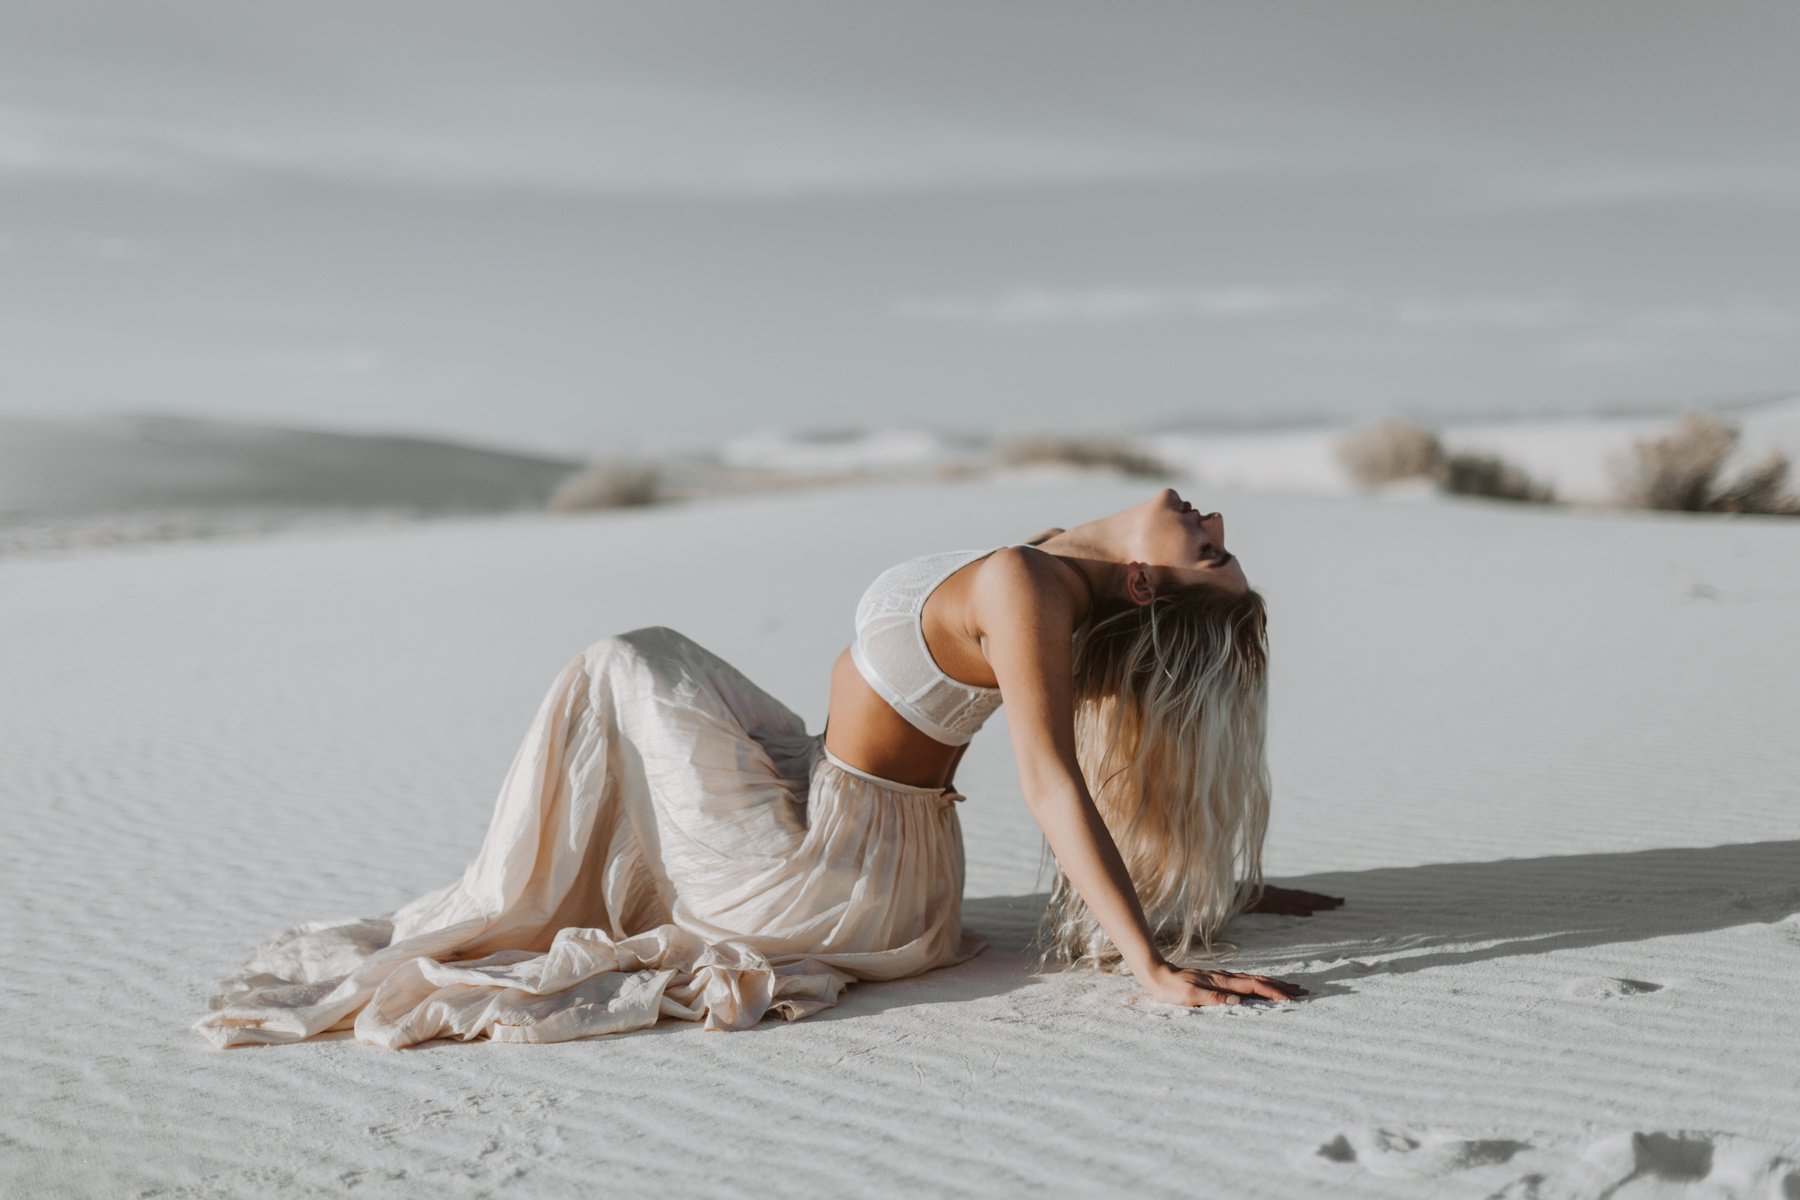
(882, 781)
(879, 741)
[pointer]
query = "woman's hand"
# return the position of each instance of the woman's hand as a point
(1292, 902)
(1197, 987)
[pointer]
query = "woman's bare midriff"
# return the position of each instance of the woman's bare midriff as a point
(865, 731)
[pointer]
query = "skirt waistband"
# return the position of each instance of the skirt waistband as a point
(893, 785)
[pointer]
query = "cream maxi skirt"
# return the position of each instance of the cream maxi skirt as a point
(669, 842)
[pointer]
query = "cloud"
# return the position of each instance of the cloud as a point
(348, 360)
(1331, 319)
(617, 138)
(1537, 187)
(1735, 330)
(59, 145)
(1118, 304)
(1027, 306)
(1479, 312)
(1746, 317)
(1497, 108)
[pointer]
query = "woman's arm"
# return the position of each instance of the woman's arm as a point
(1026, 622)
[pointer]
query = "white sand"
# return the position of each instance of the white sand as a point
(1548, 756)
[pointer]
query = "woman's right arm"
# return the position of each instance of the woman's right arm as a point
(1025, 628)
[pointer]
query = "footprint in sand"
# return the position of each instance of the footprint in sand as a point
(388, 1131)
(1600, 987)
(1648, 1165)
(1415, 1153)
(1645, 1165)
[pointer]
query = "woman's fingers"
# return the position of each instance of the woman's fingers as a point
(1255, 986)
(1260, 986)
(1205, 988)
(1272, 989)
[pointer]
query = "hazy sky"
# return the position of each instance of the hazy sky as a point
(594, 227)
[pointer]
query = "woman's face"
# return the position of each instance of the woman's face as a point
(1188, 546)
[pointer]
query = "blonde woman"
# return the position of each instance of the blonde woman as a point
(670, 841)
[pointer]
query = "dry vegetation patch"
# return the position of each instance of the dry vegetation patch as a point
(1683, 471)
(1394, 450)
(1389, 451)
(1089, 453)
(1490, 476)
(609, 483)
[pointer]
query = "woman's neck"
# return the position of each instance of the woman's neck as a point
(1089, 569)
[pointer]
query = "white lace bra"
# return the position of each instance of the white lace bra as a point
(890, 652)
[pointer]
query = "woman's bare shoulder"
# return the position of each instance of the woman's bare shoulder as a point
(1020, 584)
(1022, 616)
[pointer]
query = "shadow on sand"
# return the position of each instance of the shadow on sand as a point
(1397, 920)
(1402, 919)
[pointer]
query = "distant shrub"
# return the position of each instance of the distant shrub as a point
(1677, 472)
(609, 483)
(1388, 451)
(954, 472)
(1091, 453)
(1681, 472)
(1489, 476)
(1762, 488)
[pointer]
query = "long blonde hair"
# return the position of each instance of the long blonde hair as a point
(1171, 713)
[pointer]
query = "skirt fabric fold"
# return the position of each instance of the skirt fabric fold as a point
(669, 841)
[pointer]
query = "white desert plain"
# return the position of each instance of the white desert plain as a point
(1547, 754)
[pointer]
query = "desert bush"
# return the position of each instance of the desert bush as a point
(609, 483)
(1682, 470)
(1389, 450)
(1678, 472)
(1762, 488)
(1489, 476)
(1091, 453)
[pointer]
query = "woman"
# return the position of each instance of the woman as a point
(670, 841)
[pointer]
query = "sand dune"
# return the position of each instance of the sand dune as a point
(162, 478)
(1546, 755)
(109, 464)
